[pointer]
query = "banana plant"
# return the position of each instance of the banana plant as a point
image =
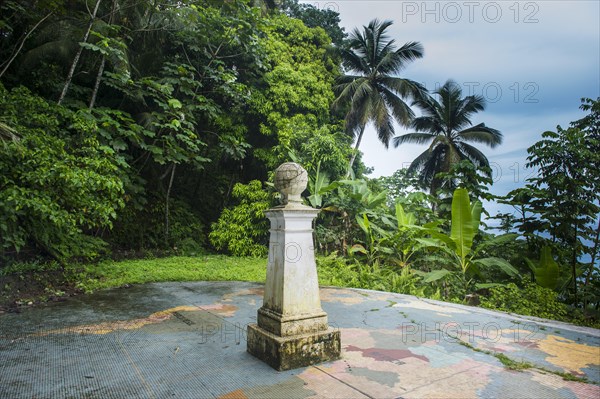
(318, 187)
(373, 247)
(395, 242)
(360, 192)
(403, 241)
(459, 245)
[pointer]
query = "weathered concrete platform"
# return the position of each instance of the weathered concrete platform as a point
(187, 340)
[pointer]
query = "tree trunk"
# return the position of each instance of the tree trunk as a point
(167, 204)
(594, 254)
(360, 136)
(78, 55)
(433, 191)
(97, 84)
(574, 264)
(20, 46)
(103, 63)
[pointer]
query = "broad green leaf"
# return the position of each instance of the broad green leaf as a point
(436, 243)
(476, 215)
(357, 248)
(462, 231)
(174, 103)
(436, 275)
(363, 222)
(547, 272)
(499, 263)
(430, 242)
(374, 201)
(444, 239)
(496, 240)
(488, 285)
(404, 219)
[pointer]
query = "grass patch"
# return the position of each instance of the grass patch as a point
(110, 274)
(512, 364)
(35, 282)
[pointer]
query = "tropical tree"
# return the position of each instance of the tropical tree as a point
(314, 16)
(566, 189)
(445, 123)
(372, 91)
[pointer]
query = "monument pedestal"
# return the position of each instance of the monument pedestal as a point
(286, 353)
(292, 329)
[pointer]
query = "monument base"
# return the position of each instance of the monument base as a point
(286, 353)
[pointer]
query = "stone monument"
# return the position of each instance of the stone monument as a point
(292, 329)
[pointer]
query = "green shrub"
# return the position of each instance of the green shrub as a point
(341, 272)
(531, 300)
(335, 270)
(59, 185)
(243, 230)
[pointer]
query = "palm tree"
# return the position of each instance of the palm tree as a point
(445, 123)
(373, 92)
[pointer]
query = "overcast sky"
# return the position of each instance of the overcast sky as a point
(531, 60)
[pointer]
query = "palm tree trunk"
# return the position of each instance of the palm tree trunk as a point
(78, 55)
(355, 152)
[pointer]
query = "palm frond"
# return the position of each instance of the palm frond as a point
(401, 111)
(474, 155)
(346, 89)
(413, 138)
(444, 120)
(405, 88)
(410, 51)
(433, 163)
(482, 134)
(353, 61)
(417, 164)
(383, 121)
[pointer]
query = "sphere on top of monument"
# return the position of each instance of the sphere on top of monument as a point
(291, 180)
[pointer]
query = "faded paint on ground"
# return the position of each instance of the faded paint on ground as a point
(188, 340)
(568, 354)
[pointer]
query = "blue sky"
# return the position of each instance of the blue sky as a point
(531, 60)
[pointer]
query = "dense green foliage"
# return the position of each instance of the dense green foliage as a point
(59, 185)
(559, 208)
(136, 127)
(242, 230)
(531, 300)
(163, 107)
